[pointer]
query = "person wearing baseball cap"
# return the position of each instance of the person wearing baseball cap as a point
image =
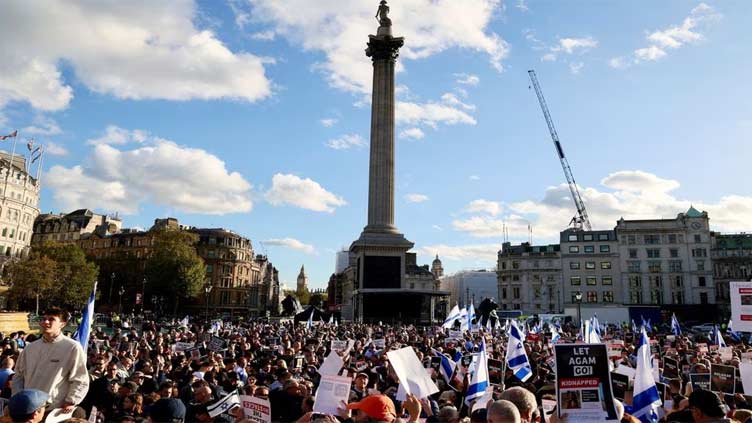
(28, 406)
(374, 408)
(706, 407)
(167, 410)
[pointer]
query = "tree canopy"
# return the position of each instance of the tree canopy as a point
(174, 268)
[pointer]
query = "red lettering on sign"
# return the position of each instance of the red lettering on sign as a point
(578, 383)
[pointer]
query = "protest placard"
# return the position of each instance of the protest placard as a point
(741, 305)
(495, 371)
(745, 373)
(747, 357)
(379, 343)
(456, 334)
(700, 381)
(217, 344)
(615, 348)
(548, 409)
(182, 346)
(339, 345)
(332, 365)
(702, 348)
(256, 410)
(722, 378)
(332, 390)
(670, 368)
(727, 353)
(411, 374)
(583, 382)
(619, 385)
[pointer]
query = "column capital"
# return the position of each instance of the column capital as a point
(384, 47)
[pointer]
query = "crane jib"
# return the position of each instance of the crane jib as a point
(559, 149)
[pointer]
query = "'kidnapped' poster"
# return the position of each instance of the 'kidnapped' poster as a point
(583, 382)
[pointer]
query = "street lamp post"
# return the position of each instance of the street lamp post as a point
(120, 304)
(143, 295)
(207, 290)
(578, 300)
(112, 282)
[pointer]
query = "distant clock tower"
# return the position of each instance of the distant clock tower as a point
(302, 280)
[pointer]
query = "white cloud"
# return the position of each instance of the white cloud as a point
(346, 142)
(340, 31)
(618, 63)
(677, 36)
(575, 68)
(431, 114)
(151, 50)
(484, 206)
(55, 149)
(569, 46)
(304, 193)
(467, 79)
(522, 5)
(115, 135)
(292, 244)
(474, 178)
(264, 35)
(416, 198)
(414, 133)
(548, 57)
(328, 122)
(478, 252)
(632, 194)
(43, 125)
(437, 227)
(451, 99)
(164, 173)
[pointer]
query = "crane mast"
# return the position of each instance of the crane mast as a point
(581, 219)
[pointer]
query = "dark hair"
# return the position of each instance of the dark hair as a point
(57, 312)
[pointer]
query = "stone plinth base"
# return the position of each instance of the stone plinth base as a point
(13, 322)
(397, 306)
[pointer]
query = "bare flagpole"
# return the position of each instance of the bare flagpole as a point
(39, 167)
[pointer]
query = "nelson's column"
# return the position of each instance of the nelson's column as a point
(380, 292)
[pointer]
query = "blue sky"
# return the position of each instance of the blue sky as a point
(253, 115)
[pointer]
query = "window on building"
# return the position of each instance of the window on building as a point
(674, 266)
(701, 281)
(633, 266)
(653, 252)
(700, 263)
(574, 265)
(607, 280)
(209, 268)
(5, 232)
(678, 281)
(572, 238)
(13, 233)
(654, 266)
(515, 278)
(575, 280)
(605, 248)
(635, 297)
(635, 281)
(656, 281)
(592, 280)
(656, 296)
(574, 296)
(674, 252)
(699, 252)
(605, 265)
(698, 238)
(703, 297)
(602, 237)
(503, 293)
(608, 297)
(590, 265)
(515, 265)
(592, 296)
(587, 237)
(589, 249)
(211, 253)
(672, 238)
(633, 253)
(677, 297)
(516, 293)
(517, 306)
(574, 249)
(631, 239)
(652, 239)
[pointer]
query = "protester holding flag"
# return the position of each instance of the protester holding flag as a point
(646, 399)
(515, 356)
(55, 364)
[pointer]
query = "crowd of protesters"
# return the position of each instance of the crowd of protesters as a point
(173, 372)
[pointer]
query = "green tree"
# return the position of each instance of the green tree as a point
(54, 273)
(174, 269)
(317, 300)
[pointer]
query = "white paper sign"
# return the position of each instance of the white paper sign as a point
(747, 357)
(182, 346)
(257, 410)
(332, 391)
(727, 353)
(332, 365)
(741, 305)
(745, 371)
(411, 373)
(626, 371)
(379, 343)
(338, 345)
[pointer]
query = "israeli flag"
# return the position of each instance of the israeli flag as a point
(516, 356)
(675, 328)
(634, 327)
(470, 317)
(591, 335)
(719, 338)
(84, 329)
(734, 335)
(646, 325)
(454, 315)
(646, 400)
(224, 405)
(309, 323)
(479, 380)
(555, 336)
(185, 321)
(596, 324)
(447, 367)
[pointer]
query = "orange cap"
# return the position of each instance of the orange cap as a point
(378, 407)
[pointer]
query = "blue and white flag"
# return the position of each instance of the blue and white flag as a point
(516, 356)
(470, 316)
(591, 334)
(718, 338)
(730, 332)
(453, 316)
(479, 380)
(84, 329)
(224, 405)
(596, 324)
(675, 328)
(309, 323)
(634, 327)
(185, 321)
(646, 400)
(555, 336)
(447, 367)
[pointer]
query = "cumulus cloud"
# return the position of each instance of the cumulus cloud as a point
(292, 244)
(467, 79)
(431, 114)
(264, 35)
(416, 198)
(305, 193)
(575, 68)
(162, 173)
(631, 194)
(569, 46)
(484, 206)
(677, 36)
(485, 254)
(115, 135)
(618, 62)
(55, 149)
(346, 142)
(339, 31)
(43, 125)
(149, 50)
(474, 178)
(328, 122)
(414, 133)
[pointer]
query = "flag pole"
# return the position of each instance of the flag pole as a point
(10, 166)
(39, 167)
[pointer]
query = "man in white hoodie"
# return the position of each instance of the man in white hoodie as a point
(55, 364)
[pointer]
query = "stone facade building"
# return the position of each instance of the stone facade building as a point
(590, 267)
(71, 227)
(666, 261)
(731, 255)
(19, 207)
(529, 278)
